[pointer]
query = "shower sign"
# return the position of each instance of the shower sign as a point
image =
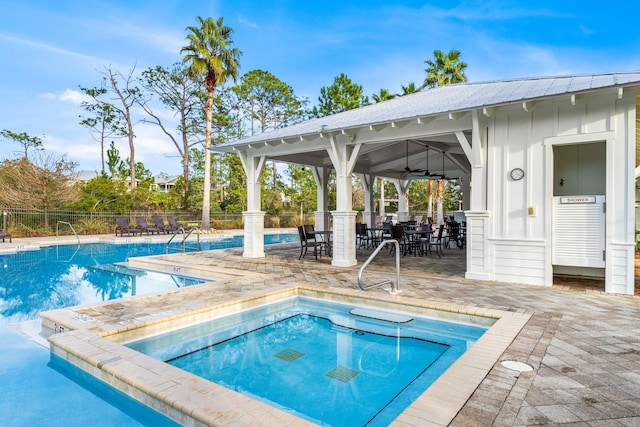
(575, 200)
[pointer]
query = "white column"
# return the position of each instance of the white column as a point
(343, 155)
(478, 224)
(369, 214)
(402, 186)
(253, 216)
(321, 176)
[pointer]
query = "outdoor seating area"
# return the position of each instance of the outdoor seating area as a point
(414, 237)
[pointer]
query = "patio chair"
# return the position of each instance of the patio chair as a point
(4, 235)
(437, 241)
(159, 222)
(363, 239)
(173, 223)
(306, 243)
(453, 235)
(122, 226)
(143, 226)
(397, 233)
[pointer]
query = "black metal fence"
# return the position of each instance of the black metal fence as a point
(28, 222)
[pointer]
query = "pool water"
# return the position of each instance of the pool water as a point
(40, 389)
(69, 275)
(64, 276)
(332, 364)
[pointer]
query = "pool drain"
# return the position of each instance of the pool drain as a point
(516, 366)
(342, 374)
(288, 355)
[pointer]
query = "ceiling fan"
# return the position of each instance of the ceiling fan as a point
(407, 170)
(436, 175)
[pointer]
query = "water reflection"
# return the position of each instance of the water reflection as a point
(64, 276)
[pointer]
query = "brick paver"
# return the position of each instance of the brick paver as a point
(583, 344)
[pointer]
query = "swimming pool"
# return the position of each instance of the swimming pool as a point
(40, 389)
(68, 275)
(330, 363)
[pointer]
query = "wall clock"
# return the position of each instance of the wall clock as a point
(517, 174)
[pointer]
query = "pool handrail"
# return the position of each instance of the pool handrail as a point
(394, 289)
(70, 226)
(183, 242)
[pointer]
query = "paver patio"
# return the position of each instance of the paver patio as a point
(583, 344)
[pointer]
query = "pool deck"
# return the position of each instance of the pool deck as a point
(583, 344)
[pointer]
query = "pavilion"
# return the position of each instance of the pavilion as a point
(548, 168)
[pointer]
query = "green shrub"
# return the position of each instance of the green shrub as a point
(93, 226)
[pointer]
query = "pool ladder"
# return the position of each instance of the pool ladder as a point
(394, 289)
(183, 243)
(70, 226)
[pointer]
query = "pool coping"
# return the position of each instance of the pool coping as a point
(95, 346)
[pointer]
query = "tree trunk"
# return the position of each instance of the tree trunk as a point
(430, 200)
(206, 198)
(440, 202)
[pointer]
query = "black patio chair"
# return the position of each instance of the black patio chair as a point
(144, 226)
(363, 239)
(173, 223)
(454, 235)
(123, 226)
(165, 228)
(437, 241)
(306, 243)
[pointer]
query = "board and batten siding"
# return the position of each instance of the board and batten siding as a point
(519, 222)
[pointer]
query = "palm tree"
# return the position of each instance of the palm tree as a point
(409, 89)
(444, 69)
(210, 54)
(383, 95)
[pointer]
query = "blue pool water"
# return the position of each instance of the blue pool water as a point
(69, 275)
(317, 359)
(38, 389)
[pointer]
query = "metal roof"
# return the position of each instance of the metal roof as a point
(386, 154)
(453, 98)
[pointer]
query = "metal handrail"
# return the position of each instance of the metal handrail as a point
(183, 242)
(184, 239)
(394, 289)
(70, 226)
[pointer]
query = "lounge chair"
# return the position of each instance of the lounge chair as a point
(4, 235)
(173, 223)
(122, 226)
(159, 222)
(143, 226)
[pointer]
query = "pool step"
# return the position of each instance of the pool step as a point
(381, 315)
(120, 269)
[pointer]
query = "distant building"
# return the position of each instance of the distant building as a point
(84, 176)
(164, 182)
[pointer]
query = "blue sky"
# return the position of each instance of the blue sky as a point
(50, 48)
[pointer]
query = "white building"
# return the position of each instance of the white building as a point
(547, 164)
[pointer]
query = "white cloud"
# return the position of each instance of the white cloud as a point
(74, 96)
(243, 20)
(48, 96)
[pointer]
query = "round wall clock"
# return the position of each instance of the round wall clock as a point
(517, 174)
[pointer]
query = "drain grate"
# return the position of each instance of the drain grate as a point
(342, 374)
(288, 355)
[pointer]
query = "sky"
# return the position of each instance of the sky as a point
(48, 49)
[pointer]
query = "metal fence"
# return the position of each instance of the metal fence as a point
(41, 222)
